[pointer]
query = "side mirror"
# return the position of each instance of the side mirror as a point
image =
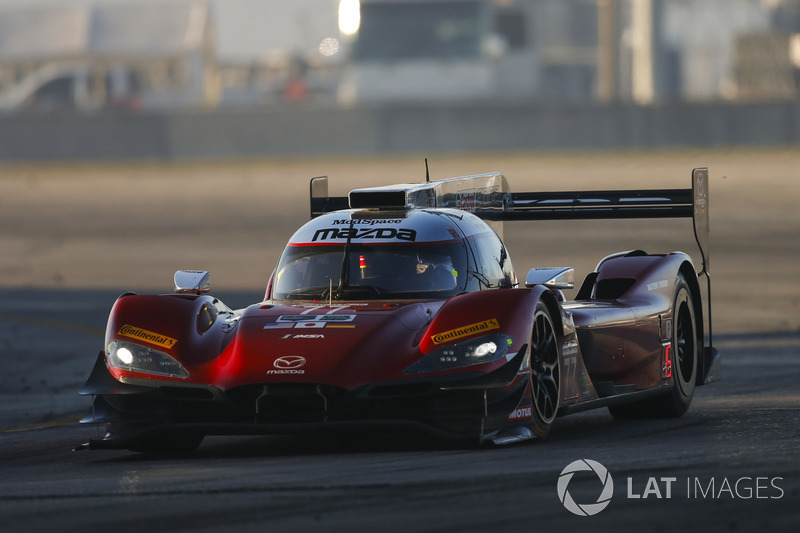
(192, 281)
(556, 278)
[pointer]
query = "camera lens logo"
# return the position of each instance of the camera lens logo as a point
(586, 509)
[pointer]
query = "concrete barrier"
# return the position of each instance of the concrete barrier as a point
(300, 130)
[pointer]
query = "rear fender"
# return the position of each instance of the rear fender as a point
(644, 282)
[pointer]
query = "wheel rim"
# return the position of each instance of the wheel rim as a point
(685, 350)
(544, 368)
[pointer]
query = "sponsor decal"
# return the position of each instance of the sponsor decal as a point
(303, 336)
(521, 413)
(402, 234)
(334, 307)
(309, 324)
(466, 200)
(465, 331)
(335, 318)
(657, 285)
(149, 336)
(367, 221)
(311, 321)
(295, 318)
(288, 364)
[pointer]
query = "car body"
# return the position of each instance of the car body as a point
(398, 308)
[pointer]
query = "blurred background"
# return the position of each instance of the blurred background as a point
(141, 137)
(174, 79)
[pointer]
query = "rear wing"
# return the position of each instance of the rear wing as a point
(648, 203)
(488, 196)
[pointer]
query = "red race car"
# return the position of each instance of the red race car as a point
(398, 308)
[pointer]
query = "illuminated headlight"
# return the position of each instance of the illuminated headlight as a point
(137, 358)
(471, 352)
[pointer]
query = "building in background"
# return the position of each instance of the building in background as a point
(175, 54)
(129, 55)
(456, 50)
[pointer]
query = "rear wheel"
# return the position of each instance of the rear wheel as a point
(545, 375)
(685, 350)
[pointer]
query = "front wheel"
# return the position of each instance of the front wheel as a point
(545, 374)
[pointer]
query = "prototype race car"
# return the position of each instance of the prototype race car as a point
(398, 308)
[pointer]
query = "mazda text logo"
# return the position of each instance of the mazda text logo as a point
(586, 509)
(289, 362)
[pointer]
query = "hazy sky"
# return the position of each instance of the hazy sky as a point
(250, 27)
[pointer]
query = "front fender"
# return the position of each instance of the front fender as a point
(189, 328)
(507, 311)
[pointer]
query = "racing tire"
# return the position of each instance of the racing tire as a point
(545, 372)
(685, 356)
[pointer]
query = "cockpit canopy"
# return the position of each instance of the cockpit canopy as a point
(367, 271)
(410, 254)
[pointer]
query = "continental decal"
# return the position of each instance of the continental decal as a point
(402, 234)
(149, 336)
(457, 333)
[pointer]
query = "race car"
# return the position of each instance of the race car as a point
(397, 308)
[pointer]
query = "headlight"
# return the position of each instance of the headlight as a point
(467, 353)
(137, 358)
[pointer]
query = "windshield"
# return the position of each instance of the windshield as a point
(414, 30)
(391, 271)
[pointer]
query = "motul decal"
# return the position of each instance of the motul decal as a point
(521, 413)
(149, 336)
(464, 331)
(365, 233)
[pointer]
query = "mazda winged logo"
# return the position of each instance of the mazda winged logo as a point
(288, 362)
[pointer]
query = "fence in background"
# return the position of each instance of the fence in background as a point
(390, 129)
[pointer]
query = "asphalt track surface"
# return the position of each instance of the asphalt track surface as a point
(743, 429)
(732, 463)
